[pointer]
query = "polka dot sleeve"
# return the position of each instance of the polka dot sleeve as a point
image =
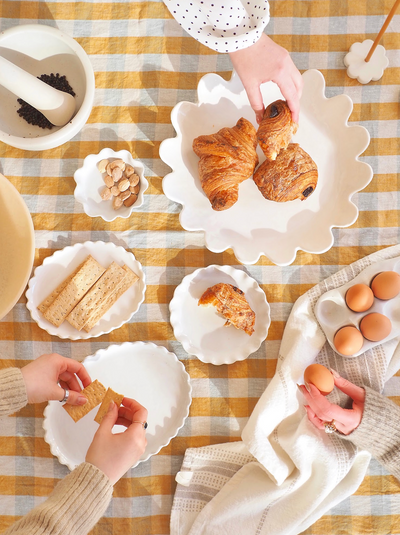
(223, 25)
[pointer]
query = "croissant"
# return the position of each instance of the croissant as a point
(226, 159)
(232, 304)
(276, 129)
(293, 175)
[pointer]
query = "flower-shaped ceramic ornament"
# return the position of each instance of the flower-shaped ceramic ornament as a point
(365, 71)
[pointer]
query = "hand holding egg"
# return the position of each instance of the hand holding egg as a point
(320, 377)
(320, 410)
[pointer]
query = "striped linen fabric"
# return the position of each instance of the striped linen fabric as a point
(144, 65)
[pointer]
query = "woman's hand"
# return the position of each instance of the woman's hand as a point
(320, 410)
(112, 453)
(44, 376)
(263, 62)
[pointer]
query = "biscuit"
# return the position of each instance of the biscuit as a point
(94, 393)
(110, 396)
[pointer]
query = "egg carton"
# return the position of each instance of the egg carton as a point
(332, 312)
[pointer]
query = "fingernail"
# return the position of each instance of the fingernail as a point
(82, 400)
(111, 406)
(334, 373)
(299, 387)
(307, 387)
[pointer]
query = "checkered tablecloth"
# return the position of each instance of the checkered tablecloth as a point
(144, 65)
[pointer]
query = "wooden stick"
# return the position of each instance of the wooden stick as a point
(383, 29)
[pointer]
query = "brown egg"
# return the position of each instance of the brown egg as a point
(320, 377)
(375, 327)
(359, 298)
(386, 285)
(348, 340)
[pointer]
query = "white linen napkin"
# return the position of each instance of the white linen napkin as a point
(284, 474)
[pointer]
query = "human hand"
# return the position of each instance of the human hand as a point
(44, 376)
(263, 62)
(320, 410)
(112, 453)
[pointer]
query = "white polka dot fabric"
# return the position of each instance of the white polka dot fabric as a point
(223, 25)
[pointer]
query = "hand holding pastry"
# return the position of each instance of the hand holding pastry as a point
(320, 411)
(263, 62)
(44, 376)
(115, 453)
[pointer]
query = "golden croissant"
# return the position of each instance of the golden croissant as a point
(276, 129)
(226, 159)
(293, 175)
(231, 302)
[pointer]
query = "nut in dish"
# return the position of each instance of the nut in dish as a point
(122, 183)
(232, 304)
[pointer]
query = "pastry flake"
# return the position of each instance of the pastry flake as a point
(276, 129)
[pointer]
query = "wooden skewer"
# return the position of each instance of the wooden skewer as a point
(383, 29)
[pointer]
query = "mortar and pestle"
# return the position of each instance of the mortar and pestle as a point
(26, 53)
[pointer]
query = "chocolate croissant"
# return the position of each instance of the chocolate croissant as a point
(276, 129)
(226, 159)
(232, 304)
(293, 175)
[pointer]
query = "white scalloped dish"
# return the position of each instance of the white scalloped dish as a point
(56, 268)
(90, 183)
(142, 371)
(255, 226)
(202, 331)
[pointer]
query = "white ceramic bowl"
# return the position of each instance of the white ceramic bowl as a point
(90, 182)
(40, 49)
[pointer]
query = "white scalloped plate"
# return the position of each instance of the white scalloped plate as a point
(255, 226)
(89, 183)
(142, 371)
(202, 331)
(57, 267)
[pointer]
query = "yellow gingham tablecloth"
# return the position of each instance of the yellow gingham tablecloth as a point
(144, 65)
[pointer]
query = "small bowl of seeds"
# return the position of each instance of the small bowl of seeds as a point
(110, 184)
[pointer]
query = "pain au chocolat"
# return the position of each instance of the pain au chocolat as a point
(276, 129)
(227, 158)
(293, 175)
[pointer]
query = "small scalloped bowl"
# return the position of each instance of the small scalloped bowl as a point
(89, 183)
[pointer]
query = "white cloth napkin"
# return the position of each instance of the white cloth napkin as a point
(284, 474)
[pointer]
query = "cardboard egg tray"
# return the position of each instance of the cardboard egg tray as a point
(332, 312)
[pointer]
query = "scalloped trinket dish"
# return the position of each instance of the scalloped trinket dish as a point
(57, 267)
(255, 226)
(202, 331)
(140, 370)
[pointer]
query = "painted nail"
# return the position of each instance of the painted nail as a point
(307, 387)
(334, 373)
(82, 400)
(299, 387)
(111, 406)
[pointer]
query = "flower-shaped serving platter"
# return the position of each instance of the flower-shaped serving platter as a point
(255, 226)
(90, 183)
(56, 268)
(145, 372)
(202, 331)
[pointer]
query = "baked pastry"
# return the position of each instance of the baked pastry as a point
(226, 159)
(276, 129)
(293, 175)
(232, 304)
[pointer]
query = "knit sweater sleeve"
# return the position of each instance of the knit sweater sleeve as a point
(73, 508)
(12, 391)
(224, 26)
(379, 430)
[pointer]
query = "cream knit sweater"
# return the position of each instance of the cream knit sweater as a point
(77, 502)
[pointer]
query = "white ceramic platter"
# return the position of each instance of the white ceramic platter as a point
(333, 313)
(142, 371)
(17, 245)
(89, 184)
(57, 267)
(202, 331)
(255, 226)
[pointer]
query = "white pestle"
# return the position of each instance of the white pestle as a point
(57, 106)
